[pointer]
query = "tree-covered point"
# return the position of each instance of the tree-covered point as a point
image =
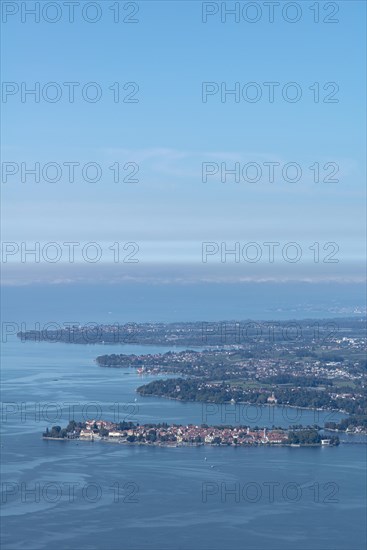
(309, 437)
(222, 392)
(348, 423)
(56, 432)
(60, 433)
(304, 437)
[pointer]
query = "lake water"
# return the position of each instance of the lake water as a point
(81, 495)
(166, 303)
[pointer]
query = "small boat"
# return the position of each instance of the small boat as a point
(205, 458)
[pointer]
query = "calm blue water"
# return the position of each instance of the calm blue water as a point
(70, 495)
(139, 302)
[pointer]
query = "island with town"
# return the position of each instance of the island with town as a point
(175, 435)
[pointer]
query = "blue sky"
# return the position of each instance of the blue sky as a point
(170, 132)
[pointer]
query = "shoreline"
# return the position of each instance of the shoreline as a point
(177, 445)
(245, 403)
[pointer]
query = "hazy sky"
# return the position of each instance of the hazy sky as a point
(163, 138)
